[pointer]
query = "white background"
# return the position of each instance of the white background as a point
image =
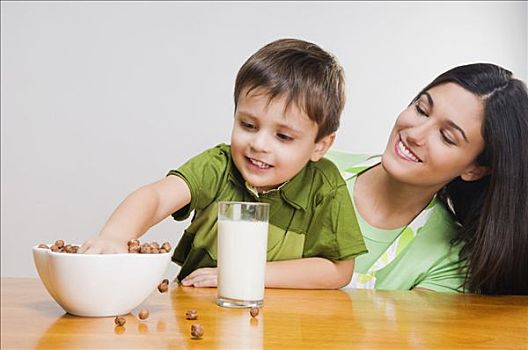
(100, 98)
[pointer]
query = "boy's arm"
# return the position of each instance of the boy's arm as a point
(306, 273)
(141, 210)
(309, 273)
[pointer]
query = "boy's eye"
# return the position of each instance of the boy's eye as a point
(284, 137)
(247, 125)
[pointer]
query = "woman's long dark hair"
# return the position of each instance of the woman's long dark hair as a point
(493, 211)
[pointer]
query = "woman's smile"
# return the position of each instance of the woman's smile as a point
(406, 153)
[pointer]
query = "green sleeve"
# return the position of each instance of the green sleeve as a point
(204, 175)
(349, 240)
(335, 227)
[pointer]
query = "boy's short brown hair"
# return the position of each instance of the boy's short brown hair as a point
(304, 73)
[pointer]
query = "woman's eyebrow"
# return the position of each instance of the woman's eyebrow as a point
(429, 98)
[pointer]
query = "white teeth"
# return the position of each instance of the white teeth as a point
(259, 164)
(407, 152)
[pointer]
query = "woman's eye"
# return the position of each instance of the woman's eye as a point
(420, 110)
(447, 139)
(284, 137)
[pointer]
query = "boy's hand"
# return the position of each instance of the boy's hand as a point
(204, 277)
(103, 245)
(141, 210)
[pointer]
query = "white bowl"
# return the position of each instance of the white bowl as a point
(99, 285)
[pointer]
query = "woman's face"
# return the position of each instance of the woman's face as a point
(437, 138)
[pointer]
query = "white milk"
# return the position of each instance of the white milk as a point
(242, 249)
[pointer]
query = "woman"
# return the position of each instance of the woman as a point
(446, 206)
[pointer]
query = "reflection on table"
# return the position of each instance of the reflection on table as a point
(290, 319)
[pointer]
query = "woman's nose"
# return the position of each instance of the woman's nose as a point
(417, 134)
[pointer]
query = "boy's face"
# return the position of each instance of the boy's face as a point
(271, 144)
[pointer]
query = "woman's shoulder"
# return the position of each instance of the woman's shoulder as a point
(440, 228)
(350, 164)
(344, 160)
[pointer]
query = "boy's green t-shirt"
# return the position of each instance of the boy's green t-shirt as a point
(310, 216)
(429, 261)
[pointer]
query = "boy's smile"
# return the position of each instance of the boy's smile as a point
(270, 143)
(258, 165)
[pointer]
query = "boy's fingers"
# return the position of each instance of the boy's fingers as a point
(191, 279)
(193, 274)
(204, 277)
(97, 247)
(205, 281)
(90, 250)
(198, 272)
(84, 247)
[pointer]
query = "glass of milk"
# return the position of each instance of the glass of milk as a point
(242, 246)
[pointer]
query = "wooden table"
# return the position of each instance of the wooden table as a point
(290, 319)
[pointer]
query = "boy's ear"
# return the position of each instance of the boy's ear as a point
(475, 172)
(322, 146)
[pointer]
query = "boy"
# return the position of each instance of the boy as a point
(289, 96)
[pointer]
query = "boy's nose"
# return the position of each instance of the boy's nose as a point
(259, 142)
